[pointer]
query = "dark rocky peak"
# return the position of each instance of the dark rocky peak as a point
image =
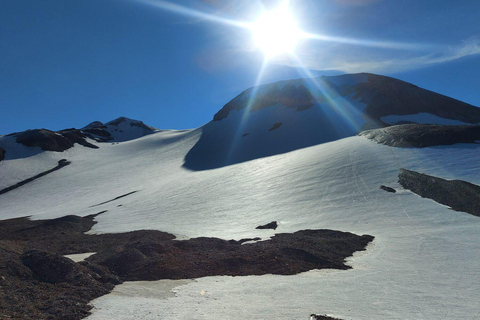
(379, 95)
(130, 122)
(94, 125)
(120, 129)
(386, 96)
(52, 141)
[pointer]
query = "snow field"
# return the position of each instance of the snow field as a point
(422, 264)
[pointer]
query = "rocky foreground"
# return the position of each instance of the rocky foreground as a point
(38, 282)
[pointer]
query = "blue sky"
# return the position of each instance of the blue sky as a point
(66, 63)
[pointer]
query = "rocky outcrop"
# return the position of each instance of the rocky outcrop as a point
(53, 141)
(423, 135)
(388, 189)
(321, 317)
(54, 268)
(285, 254)
(120, 129)
(457, 194)
(388, 96)
(275, 126)
(272, 225)
(51, 286)
(2, 154)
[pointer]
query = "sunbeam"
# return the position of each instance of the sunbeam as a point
(341, 106)
(276, 31)
(366, 43)
(246, 112)
(176, 8)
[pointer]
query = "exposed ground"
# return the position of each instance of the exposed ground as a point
(457, 194)
(423, 135)
(37, 282)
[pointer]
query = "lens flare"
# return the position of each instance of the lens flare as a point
(276, 32)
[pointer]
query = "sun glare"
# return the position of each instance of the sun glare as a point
(276, 32)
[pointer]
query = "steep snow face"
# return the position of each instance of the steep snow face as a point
(274, 119)
(288, 115)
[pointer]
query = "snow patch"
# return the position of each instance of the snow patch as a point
(421, 118)
(79, 256)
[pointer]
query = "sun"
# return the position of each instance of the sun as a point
(276, 32)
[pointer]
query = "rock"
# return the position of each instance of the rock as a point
(45, 139)
(423, 135)
(49, 267)
(457, 194)
(77, 136)
(53, 141)
(388, 189)
(126, 262)
(272, 225)
(275, 126)
(321, 317)
(2, 154)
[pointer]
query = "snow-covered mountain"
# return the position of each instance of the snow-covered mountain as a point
(289, 115)
(38, 140)
(307, 169)
(121, 129)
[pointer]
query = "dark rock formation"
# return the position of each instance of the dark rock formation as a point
(52, 141)
(97, 131)
(2, 154)
(54, 268)
(272, 225)
(388, 189)
(388, 96)
(275, 126)
(423, 135)
(45, 139)
(41, 285)
(285, 254)
(38, 283)
(77, 137)
(457, 194)
(321, 317)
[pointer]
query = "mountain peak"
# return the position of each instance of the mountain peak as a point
(120, 129)
(288, 115)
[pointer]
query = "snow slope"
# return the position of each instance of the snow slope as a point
(422, 265)
(288, 115)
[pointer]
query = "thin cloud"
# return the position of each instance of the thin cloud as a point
(356, 2)
(373, 62)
